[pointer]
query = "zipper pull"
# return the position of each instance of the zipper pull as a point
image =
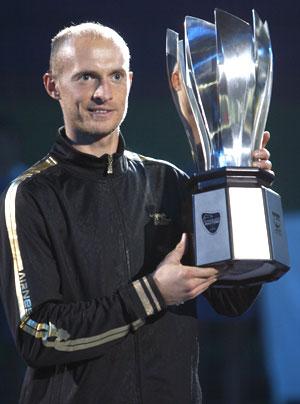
(110, 164)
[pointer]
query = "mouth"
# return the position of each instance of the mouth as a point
(100, 111)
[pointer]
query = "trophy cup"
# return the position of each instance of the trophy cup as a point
(220, 76)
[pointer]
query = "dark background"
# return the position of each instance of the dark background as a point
(29, 119)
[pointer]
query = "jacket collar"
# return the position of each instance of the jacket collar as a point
(65, 153)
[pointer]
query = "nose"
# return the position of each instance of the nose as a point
(103, 92)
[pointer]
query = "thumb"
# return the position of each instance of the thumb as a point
(265, 139)
(176, 254)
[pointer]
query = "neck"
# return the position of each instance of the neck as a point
(96, 145)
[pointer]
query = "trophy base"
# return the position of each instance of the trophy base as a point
(239, 229)
(242, 273)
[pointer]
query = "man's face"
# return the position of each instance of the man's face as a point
(93, 84)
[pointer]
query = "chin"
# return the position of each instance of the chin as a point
(95, 131)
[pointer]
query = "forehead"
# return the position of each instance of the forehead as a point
(90, 53)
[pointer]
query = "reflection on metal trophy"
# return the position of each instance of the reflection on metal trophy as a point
(220, 77)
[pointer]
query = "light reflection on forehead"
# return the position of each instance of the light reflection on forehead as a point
(97, 52)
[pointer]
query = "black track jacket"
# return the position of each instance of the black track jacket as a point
(80, 237)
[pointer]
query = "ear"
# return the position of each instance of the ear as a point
(130, 79)
(175, 80)
(50, 85)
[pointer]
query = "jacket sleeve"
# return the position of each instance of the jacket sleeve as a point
(47, 330)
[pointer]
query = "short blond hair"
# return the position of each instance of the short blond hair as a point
(94, 30)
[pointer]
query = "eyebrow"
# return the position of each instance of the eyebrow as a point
(96, 74)
(81, 72)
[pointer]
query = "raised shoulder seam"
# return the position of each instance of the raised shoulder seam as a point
(144, 159)
(42, 165)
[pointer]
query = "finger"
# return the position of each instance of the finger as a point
(265, 139)
(202, 287)
(182, 241)
(190, 285)
(264, 164)
(199, 272)
(176, 254)
(261, 154)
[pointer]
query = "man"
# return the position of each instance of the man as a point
(91, 249)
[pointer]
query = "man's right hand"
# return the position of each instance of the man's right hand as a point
(178, 283)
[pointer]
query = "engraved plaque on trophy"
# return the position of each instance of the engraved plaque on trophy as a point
(220, 77)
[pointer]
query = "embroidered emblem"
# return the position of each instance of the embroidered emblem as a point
(211, 221)
(160, 219)
(277, 223)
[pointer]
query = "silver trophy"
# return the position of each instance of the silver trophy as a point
(220, 76)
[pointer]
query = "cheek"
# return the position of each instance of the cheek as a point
(70, 106)
(77, 102)
(123, 97)
(74, 95)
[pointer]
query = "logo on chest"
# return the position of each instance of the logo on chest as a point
(160, 219)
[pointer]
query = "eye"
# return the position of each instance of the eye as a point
(86, 77)
(117, 76)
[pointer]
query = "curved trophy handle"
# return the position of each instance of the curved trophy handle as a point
(200, 51)
(264, 76)
(186, 103)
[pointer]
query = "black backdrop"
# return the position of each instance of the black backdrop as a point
(152, 127)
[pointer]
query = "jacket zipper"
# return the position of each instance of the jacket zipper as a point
(128, 264)
(110, 164)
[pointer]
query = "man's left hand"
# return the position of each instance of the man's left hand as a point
(261, 156)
